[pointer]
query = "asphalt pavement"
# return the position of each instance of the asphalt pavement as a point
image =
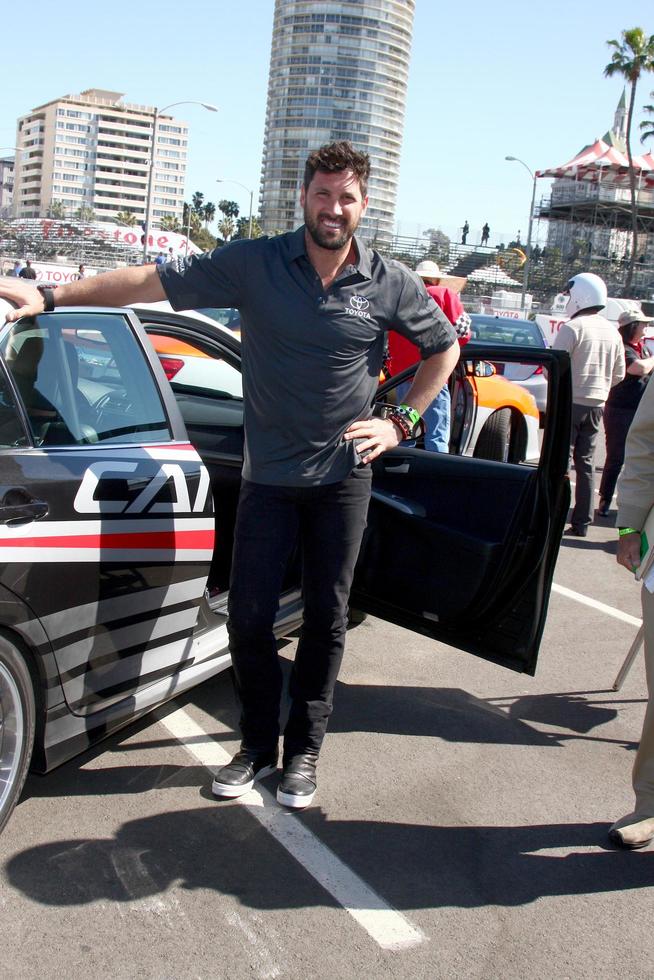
(459, 829)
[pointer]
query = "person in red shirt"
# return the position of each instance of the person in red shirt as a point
(403, 353)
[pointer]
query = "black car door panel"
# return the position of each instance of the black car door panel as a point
(449, 543)
(463, 549)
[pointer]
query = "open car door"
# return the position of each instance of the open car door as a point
(462, 548)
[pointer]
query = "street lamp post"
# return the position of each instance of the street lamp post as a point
(227, 180)
(525, 277)
(148, 196)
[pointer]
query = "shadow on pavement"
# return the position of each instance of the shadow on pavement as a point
(455, 715)
(73, 780)
(450, 714)
(586, 544)
(571, 710)
(223, 848)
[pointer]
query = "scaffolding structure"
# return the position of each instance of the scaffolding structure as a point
(589, 210)
(598, 213)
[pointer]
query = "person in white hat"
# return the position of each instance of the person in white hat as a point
(597, 364)
(624, 399)
(444, 290)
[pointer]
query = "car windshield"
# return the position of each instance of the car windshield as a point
(506, 330)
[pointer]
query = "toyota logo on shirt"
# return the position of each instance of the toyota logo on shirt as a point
(358, 307)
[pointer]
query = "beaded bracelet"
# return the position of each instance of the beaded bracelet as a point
(627, 530)
(401, 424)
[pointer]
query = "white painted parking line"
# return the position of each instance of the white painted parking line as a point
(389, 928)
(594, 604)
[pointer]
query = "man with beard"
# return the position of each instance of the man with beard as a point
(315, 306)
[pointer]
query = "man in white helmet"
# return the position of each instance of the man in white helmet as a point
(597, 356)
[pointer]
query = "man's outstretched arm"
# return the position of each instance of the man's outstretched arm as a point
(139, 284)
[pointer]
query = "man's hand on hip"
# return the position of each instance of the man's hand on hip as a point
(378, 435)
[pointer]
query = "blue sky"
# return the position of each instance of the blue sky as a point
(487, 80)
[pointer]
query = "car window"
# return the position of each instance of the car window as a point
(505, 330)
(83, 379)
(193, 368)
(12, 433)
(495, 409)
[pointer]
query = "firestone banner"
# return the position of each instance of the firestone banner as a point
(50, 230)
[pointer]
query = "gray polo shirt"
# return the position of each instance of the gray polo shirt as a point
(311, 357)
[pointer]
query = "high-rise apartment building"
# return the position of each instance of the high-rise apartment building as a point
(93, 150)
(338, 70)
(6, 185)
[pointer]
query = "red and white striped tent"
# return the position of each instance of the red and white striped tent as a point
(600, 161)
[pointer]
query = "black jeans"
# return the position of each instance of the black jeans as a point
(585, 426)
(616, 427)
(327, 524)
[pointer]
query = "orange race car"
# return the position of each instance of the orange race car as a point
(492, 418)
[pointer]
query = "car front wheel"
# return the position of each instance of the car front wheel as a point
(17, 724)
(495, 438)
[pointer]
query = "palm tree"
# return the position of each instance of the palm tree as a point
(191, 219)
(57, 209)
(85, 213)
(648, 125)
(229, 208)
(127, 218)
(247, 229)
(632, 57)
(197, 201)
(170, 223)
(226, 227)
(209, 213)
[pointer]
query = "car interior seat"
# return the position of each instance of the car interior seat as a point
(86, 414)
(24, 366)
(34, 369)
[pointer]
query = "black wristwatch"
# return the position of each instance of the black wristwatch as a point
(48, 298)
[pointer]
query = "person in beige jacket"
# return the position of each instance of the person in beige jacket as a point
(597, 356)
(635, 499)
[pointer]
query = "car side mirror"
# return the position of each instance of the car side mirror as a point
(481, 369)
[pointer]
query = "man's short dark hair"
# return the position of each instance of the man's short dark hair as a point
(336, 157)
